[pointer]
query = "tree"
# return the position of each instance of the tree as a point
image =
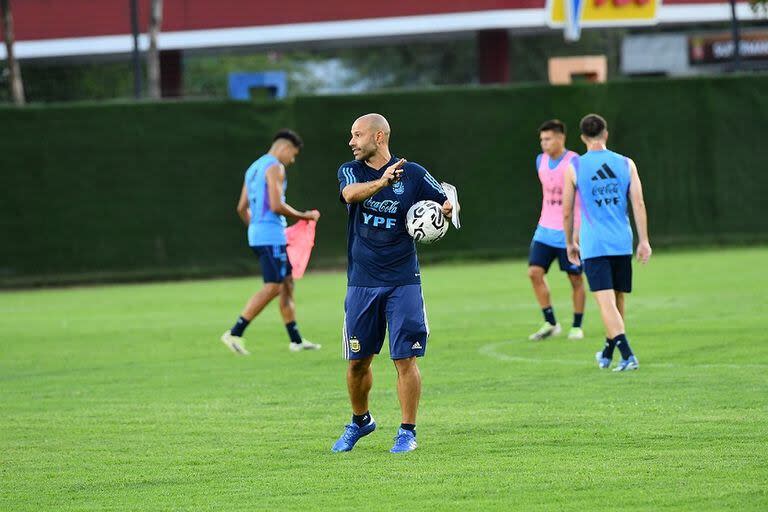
(153, 56)
(14, 72)
(759, 6)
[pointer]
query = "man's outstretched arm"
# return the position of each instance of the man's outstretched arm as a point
(358, 192)
(638, 212)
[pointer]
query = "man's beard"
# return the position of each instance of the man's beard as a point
(365, 154)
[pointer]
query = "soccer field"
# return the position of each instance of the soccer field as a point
(123, 398)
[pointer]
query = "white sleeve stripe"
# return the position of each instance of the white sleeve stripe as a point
(433, 183)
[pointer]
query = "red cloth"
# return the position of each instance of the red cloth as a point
(300, 239)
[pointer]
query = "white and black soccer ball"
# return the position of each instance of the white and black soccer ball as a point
(426, 223)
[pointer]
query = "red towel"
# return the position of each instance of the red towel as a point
(300, 239)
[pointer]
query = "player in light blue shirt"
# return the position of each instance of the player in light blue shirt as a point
(606, 182)
(262, 208)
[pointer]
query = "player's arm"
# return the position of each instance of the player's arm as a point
(358, 192)
(569, 195)
(242, 206)
(638, 212)
(432, 191)
(275, 176)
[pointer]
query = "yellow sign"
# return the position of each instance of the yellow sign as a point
(607, 13)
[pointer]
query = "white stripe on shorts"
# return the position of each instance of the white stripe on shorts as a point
(344, 344)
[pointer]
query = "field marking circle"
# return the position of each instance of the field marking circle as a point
(490, 350)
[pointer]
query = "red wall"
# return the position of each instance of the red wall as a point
(46, 19)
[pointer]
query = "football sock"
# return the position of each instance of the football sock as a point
(549, 315)
(609, 346)
(293, 332)
(623, 345)
(239, 327)
(577, 318)
(362, 419)
(408, 426)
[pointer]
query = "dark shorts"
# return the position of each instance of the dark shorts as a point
(609, 273)
(369, 312)
(275, 265)
(542, 255)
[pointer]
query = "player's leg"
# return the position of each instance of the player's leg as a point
(612, 319)
(408, 336)
(540, 258)
(408, 389)
(362, 338)
(600, 279)
(578, 294)
(620, 302)
(359, 383)
(288, 312)
(621, 268)
(273, 277)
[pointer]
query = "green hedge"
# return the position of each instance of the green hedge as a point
(149, 190)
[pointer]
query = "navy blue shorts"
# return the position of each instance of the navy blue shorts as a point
(609, 273)
(370, 311)
(274, 262)
(542, 255)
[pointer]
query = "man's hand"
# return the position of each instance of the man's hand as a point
(644, 252)
(574, 255)
(393, 172)
(312, 215)
(447, 209)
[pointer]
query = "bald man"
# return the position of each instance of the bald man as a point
(383, 278)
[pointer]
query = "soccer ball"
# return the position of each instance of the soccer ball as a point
(425, 222)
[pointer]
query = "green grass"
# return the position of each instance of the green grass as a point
(121, 398)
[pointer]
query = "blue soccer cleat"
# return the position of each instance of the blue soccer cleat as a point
(352, 434)
(405, 441)
(602, 362)
(627, 364)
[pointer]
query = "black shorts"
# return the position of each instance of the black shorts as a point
(609, 273)
(275, 265)
(542, 255)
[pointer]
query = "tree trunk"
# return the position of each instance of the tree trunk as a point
(17, 86)
(153, 57)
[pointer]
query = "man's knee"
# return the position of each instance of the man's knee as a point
(406, 366)
(272, 289)
(536, 273)
(359, 366)
(577, 281)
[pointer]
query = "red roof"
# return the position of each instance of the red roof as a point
(51, 19)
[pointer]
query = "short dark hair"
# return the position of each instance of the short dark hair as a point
(554, 125)
(290, 136)
(593, 125)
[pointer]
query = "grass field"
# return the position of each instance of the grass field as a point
(122, 398)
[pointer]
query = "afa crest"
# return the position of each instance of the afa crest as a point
(354, 344)
(398, 187)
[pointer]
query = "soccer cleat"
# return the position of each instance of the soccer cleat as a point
(304, 345)
(602, 362)
(235, 343)
(545, 332)
(627, 364)
(352, 434)
(405, 441)
(576, 333)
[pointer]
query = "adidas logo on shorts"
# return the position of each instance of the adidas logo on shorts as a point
(416, 346)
